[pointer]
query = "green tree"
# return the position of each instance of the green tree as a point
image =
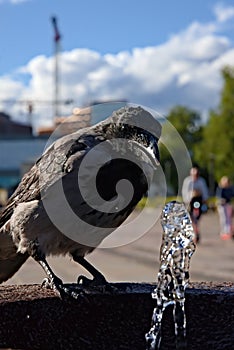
(215, 151)
(187, 122)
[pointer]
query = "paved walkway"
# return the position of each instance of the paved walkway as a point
(138, 261)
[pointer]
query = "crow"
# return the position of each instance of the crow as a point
(79, 191)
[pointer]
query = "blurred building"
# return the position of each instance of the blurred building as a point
(10, 128)
(17, 155)
(18, 146)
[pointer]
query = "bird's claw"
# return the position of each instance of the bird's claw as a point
(64, 291)
(46, 283)
(52, 283)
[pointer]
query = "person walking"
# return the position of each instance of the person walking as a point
(224, 195)
(195, 196)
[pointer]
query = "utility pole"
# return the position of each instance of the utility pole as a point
(57, 38)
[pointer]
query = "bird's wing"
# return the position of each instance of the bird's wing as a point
(26, 191)
(47, 170)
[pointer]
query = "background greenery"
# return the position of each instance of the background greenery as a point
(210, 145)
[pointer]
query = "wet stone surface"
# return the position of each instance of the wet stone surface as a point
(36, 318)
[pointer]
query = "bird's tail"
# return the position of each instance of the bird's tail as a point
(10, 259)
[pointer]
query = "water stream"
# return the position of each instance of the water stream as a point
(176, 251)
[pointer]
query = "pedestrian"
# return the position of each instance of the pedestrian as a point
(195, 196)
(224, 195)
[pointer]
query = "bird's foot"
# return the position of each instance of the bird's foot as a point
(98, 283)
(65, 291)
(52, 283)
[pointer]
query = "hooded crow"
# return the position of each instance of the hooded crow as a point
(81, 189)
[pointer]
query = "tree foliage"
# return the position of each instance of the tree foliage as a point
(187, 123)
(215, 151)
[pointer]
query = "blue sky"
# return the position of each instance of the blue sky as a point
(104, 26)
(158, 53)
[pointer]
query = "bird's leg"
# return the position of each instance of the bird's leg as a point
(98, 278)
(53, 281)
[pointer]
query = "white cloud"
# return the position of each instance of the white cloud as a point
(223, 13)
(9, 88)
(184, 70)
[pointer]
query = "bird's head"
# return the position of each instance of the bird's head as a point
(138, 127)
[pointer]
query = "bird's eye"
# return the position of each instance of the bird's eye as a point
(122, 127)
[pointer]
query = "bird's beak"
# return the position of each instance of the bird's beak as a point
(150, 153)
(153, 152)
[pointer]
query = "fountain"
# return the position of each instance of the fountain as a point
(176, 251)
